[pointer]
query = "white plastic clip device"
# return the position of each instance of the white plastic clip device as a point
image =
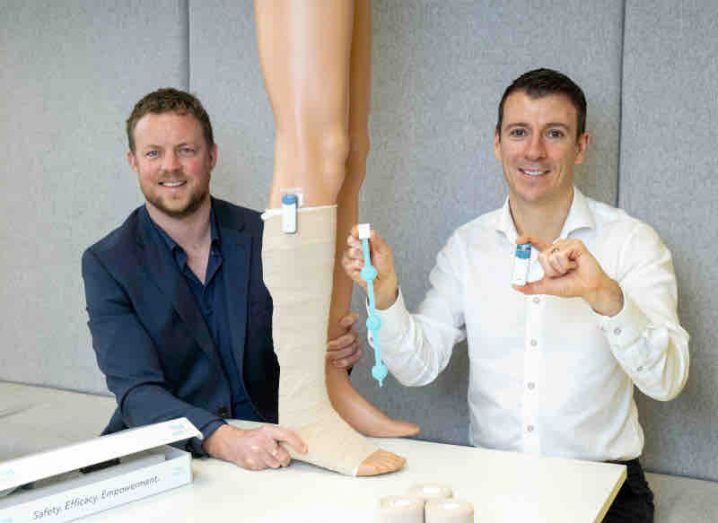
(290, 202)
(364, 231)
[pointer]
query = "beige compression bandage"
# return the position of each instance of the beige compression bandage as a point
(298, 271)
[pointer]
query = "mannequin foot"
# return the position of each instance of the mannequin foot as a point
(381, 462)
(359, 413)
(332, 444)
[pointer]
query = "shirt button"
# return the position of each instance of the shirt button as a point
(617, 331)
(534, 343)
(639, 369)
(537, 299)
(530, 428)
(223, 412)
(531, 385)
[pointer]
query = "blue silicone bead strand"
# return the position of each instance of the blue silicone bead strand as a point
(368, 273)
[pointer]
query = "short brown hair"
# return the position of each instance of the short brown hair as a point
(544, 82)
(166, 100)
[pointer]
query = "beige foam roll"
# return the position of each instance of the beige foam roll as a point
(400, 509)
(427, 491)
(449, 511)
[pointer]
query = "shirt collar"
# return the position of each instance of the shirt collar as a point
(173, 246)
(214, 229)
(579, 217)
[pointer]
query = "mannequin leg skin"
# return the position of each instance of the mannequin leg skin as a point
(304, 52)
(351, 406)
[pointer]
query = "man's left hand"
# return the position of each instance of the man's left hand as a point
(571, 271)
(345, 350)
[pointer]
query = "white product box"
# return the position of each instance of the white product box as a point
(50, 486)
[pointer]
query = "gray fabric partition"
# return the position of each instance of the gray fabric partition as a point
(225, 75)
(668, 166)
(439, 71)
(70, 72)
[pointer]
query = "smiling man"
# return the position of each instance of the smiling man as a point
(179, 314)
(554, 362)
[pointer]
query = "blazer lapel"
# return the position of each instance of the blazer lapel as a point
(236, 249)
(163, 271)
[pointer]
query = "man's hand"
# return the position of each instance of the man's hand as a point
(345, 350)
(386, 286)
(570, 271)
(254, 449)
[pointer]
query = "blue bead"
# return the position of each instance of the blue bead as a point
(368, 273)
(379, 372)
(373, 323)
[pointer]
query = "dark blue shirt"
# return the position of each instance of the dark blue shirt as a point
(212, 303)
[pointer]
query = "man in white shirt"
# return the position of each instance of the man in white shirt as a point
(552, 363)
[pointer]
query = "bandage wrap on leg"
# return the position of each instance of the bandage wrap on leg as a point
(298, 271)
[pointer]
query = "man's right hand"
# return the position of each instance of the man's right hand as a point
(253, 449)
(386, 286)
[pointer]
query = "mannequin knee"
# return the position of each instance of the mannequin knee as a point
(358, 147)
(356, 163)
(335, 147)
(340, 148)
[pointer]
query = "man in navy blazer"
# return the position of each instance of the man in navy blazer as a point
(179, 314)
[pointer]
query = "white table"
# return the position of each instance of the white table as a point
(503, 486)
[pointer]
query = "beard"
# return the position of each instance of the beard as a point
(171, 209)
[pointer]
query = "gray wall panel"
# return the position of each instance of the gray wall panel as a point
(225, 75)
(439, 72)
(70, 73)
(668, 166)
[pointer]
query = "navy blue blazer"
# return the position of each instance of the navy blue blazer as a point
(150, 338)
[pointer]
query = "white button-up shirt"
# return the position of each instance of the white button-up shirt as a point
(548, 375)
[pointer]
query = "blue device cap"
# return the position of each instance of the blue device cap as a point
(523, 251)
(289, 199)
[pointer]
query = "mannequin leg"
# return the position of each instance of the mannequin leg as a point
(304, 55)
(355, 410)
(304, 52)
